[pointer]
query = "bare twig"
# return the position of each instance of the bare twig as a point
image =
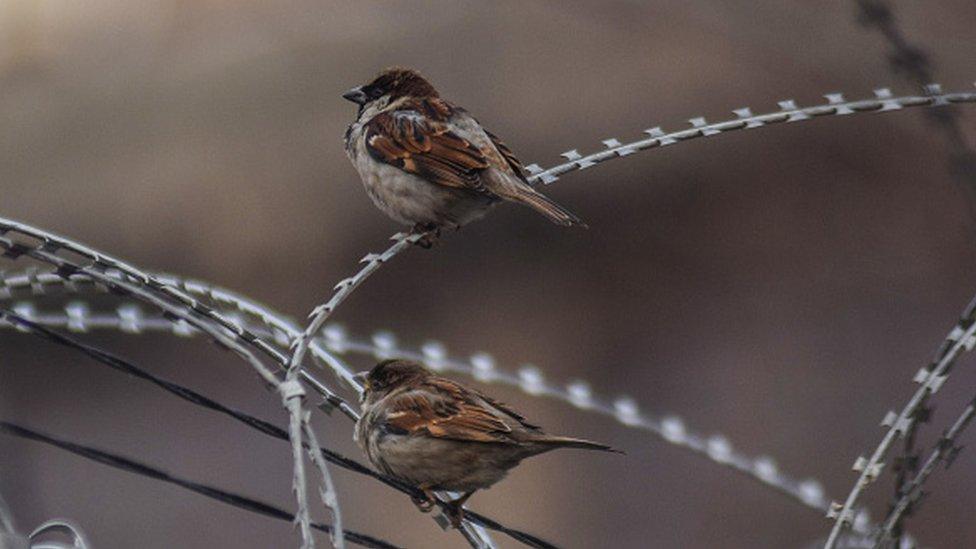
(945, 450)
(962, 338)
(914, 62)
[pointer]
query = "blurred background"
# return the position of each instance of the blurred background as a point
(779, 286)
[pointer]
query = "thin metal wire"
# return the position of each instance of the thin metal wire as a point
(113, 273)
(912, 61)
(189, 395)
(126, 464)
(836, 105)
(62, 526)
(789, 112)
(945, 450)
(80, 317)
(962, 338)
(46, 252)
(6, 518)
(318, 318)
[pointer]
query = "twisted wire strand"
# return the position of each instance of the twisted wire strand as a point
(46, 252)
(120, 276)
(132, 466)
(944, 451)
(961, 338)
(9, 537)
(10, 318)
(78, 316)
(62, 526)
(321, 314)
(912, 61)
(836, 105)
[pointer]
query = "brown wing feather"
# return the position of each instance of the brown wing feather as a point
(425, 146)
(443, 409)
(508, 155)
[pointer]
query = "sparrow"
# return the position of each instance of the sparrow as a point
(437, 434)
(428, 163)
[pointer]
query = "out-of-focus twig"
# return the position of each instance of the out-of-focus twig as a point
(912, 61)
(962, 338)
(945, 450)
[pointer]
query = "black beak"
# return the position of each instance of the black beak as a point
(356, 95)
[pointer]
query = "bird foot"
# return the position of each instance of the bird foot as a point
(455, 510)
(431, 232)
(426, 503)
(455, 513)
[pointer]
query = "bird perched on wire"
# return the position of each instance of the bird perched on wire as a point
(428, 163)
(436, 434)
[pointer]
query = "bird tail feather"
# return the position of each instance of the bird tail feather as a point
(541, 203)
(569, 442)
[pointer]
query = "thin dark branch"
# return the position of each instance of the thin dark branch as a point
(126, 464)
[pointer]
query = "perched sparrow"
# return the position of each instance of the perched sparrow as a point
(428, 163)
(439, 435)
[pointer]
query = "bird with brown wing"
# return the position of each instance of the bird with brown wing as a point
(428, 163)
(436, 434)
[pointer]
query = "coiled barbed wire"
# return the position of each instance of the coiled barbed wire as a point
(127, 318)
(120, 365)
(837, 105)
(912, 61)
(291, 393)
(789, 112)
(178, 303)
(944, 451)
(962, 338)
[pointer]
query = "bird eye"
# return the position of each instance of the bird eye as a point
(374, 92)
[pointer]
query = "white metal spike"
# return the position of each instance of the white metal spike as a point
(531, 379)
(434, 354)
(838, 100)
(580, 394)
(700, 123)
(745, 113)
(936, 89)
(789, 105)
(885, 96)
(673, 429)
(662, 138)
(627, 411)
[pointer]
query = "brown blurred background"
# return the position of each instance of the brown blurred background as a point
(778, 286)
